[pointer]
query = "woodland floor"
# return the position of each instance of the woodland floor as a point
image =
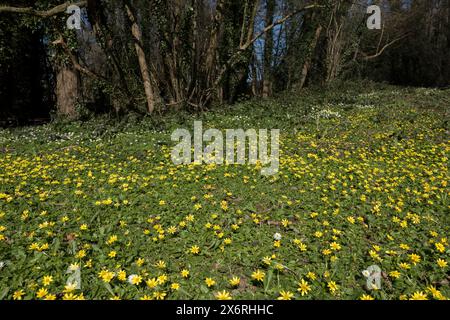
(363, 181)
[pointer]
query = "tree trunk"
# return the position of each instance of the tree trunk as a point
(211, 54)
(145, 73)
(308, 60)
(67, 90)
(268, 51)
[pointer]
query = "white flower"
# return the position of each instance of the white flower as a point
(2, 264)
(366, 273)
(277, 236)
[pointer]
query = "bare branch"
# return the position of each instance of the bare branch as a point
(41, 13)
(380, 51)
(276, 23)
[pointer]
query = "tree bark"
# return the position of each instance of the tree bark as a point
(67, 91)
(145, 73)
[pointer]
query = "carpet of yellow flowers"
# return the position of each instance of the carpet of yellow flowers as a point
(98, 211)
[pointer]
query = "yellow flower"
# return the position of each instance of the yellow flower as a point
(88, 264)
(162, 279)
(185, 273)
(122, 275)
(210, 282)
(285, 295)
(440, 247)
(161, 264)
(70, 296)
(174, 286)
(419, 295)
(333, 286)
(436, 293)
(303, 287)
(106, 275)
(70, 287)
(311, 276)
(112, 254)
(112, 239)
(235, 281)
(50, 297)
(442, 263)
(267, 260)
(414, 258)
(146, 297)
(258, 275)
(41, 293)
(335, 246)
(223, 295)
(405, 266)
(395, 274)
(135, 279)
(34, 246)
(404, 246)
(47, 280)
(366, 297)
(152, 283)
(159, 295)
(81, 254)
(74, 267)
(140, 262)
(195, 250)
(17, 295)
(172, 230)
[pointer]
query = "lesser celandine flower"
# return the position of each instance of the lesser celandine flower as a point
(195, 250)
(210, 282)
(419, 295)
(258, 275)
(235, 281)
(303, 287)
(333, 287)
(223, 295)
(285, 295)
(46, 280)
(17, 295)
(135, 279)
(442, 263)
(185, 273)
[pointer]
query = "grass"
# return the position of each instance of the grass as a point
(363, 181)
